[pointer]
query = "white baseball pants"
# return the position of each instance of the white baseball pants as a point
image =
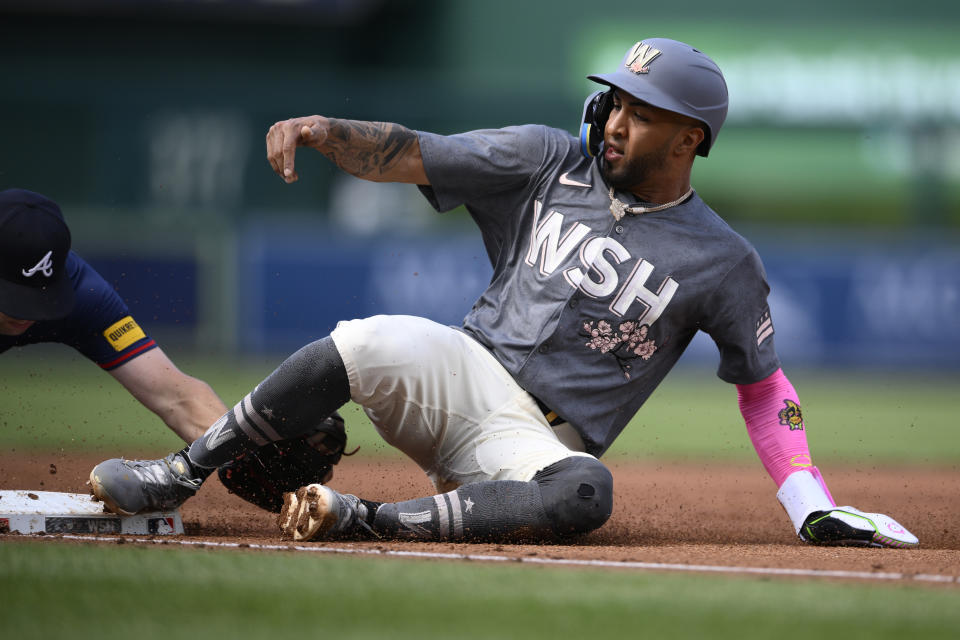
(437, 395)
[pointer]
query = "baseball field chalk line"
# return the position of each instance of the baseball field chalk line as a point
(606, 564)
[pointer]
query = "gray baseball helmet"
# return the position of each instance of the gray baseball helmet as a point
(676, 77)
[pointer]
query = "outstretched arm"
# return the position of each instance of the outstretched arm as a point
(187, 405)
(771, 410)
(377, 151)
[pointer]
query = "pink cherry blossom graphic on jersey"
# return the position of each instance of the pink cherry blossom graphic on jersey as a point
(627, 343)
(634, 335)
(602, 337)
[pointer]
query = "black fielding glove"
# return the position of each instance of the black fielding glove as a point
(263, 476)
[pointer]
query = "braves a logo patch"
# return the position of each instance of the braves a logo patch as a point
(45, 266)
(640, 57)
(791, 416)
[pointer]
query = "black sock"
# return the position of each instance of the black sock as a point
(482, 510)
(371, 510)
(302, 392)
(195, 472)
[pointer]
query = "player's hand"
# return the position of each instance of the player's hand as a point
(284, 137)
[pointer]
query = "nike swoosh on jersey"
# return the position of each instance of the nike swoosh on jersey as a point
(570, 182)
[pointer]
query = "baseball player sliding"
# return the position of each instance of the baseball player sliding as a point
(606, 263)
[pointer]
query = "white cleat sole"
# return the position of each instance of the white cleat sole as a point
(890, 533)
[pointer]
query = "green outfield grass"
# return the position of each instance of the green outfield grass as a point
(141, 592)
(50, 401)
(138, 593)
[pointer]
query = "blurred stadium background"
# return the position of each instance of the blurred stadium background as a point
(145, 120)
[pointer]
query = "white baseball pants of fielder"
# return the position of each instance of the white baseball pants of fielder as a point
(438, 396)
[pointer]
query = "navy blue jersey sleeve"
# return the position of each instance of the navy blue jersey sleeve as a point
(105, 331)
(100, 325)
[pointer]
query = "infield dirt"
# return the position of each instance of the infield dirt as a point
(681, 513)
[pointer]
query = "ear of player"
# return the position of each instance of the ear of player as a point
(596, 110)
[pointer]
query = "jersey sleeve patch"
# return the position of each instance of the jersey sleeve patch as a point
(123, 333)
(764, 327)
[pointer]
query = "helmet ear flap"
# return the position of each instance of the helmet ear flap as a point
(596, 110)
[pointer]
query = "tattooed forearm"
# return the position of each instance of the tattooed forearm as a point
(369, 150)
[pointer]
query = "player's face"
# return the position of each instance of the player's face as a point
(638, 139)
(13, 326)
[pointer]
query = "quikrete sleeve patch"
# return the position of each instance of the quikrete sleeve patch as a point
(123, 333)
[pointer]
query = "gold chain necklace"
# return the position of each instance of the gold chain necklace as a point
(619, 209)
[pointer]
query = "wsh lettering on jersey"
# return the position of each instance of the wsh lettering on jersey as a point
(551, 246)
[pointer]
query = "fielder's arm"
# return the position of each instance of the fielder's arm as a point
(187, 405)
(377, 151)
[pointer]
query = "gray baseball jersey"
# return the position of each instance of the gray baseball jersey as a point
(588, 313)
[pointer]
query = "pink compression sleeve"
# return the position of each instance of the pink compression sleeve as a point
(774, 420)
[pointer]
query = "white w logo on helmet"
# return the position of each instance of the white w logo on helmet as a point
(640, 56)
(45, 266)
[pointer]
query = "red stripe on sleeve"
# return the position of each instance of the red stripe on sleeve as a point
(127, 356)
